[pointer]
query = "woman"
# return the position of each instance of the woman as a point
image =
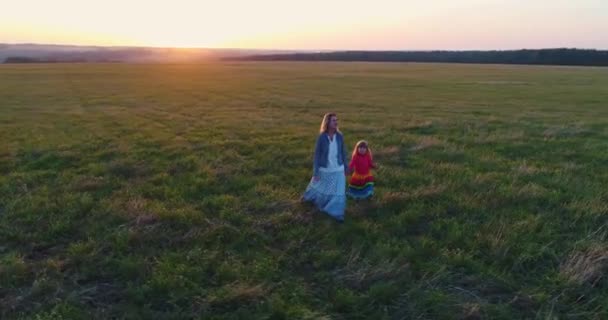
(327, 186)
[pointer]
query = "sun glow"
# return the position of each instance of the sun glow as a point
(313, 24)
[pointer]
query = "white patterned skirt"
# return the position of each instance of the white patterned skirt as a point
(328, 193)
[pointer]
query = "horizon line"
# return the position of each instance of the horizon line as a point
(279, 49)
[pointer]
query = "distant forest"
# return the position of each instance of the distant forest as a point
(573, 57)
(44, 60)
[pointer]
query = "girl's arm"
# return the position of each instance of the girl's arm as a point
(351, 165)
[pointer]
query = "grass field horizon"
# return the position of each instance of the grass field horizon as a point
(171, 191)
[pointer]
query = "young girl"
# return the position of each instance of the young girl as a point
(361, 184)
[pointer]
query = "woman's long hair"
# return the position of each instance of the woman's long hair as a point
(325, 122)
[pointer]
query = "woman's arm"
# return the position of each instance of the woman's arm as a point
(316, 156)
(347, 170)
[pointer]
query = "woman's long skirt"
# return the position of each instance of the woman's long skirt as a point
(328, 193)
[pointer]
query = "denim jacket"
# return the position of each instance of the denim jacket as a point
(322, 150)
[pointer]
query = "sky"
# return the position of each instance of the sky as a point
(310, 24)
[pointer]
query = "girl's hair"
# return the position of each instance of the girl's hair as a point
(325, 122)
(362, 143)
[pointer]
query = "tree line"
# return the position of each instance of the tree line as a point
(562, 56)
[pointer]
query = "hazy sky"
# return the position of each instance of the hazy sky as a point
(310, 24)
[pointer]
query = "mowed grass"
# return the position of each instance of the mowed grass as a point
(171, 192)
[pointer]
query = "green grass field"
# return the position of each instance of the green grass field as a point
(171, 192)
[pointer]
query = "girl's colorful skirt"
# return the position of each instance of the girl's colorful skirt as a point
(328, 194)
(361, 186)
